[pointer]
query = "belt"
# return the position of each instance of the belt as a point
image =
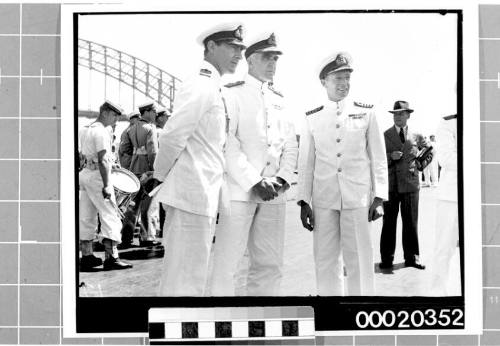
(140, 151)
(90, 164)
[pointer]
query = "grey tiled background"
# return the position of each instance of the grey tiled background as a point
(9, 92)
(9, 55)
(30, 290)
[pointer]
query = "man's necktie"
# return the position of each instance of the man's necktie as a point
(402, 135)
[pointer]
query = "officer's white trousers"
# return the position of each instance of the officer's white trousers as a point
(445, 245)
(343, 235)
(261, 228)
(431, 172)
(188, 242)
(153, 219)
(91, 203)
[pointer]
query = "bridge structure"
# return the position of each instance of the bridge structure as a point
(132, 72)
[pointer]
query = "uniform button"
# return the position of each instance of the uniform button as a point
(338, 140)
(339, 170)
(269, 145)
(339, 154)
(338, 125)
(339, 112)
(268, 126)
(268, 163)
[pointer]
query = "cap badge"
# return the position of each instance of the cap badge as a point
(341, 60)
(238, 33)
(271, 40)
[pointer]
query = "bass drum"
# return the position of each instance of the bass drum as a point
(126, 187)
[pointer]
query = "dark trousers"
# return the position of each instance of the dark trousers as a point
(409, 214)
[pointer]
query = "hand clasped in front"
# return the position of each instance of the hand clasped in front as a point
(268, 188)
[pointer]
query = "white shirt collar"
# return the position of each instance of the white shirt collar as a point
(96, 124)
(337, 105)
(254, 82)
(405, 129)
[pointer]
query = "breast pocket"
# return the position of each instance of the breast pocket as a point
(355, 138)
(357, 123)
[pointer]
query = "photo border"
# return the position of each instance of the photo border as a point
(78, 325)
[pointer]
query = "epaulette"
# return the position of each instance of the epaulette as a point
(274, 90)
(230, 85)
(364, 105)
(205, 72)
(449, 117)
(315, 110)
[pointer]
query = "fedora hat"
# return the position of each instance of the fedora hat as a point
(400, 106)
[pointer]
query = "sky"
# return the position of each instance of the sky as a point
(396, 56)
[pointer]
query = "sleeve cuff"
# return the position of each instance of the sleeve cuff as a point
(286, 176)
(158, 176)
(382, 196)
(247, 184)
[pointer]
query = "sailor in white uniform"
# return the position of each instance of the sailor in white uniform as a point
(190, 163)
(261, 158)
(343, 173)
(446, 235)
(97, 196)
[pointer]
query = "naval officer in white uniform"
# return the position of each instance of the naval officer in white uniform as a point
(261, 158)
(446, 239)
(190, 162)
(343, 174)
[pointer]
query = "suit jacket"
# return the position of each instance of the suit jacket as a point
(403, 173)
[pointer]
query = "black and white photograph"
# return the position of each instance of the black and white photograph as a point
(305, 154)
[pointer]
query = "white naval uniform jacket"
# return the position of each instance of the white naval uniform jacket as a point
(261, 139)
(342, 159)
(190, 160)
(447, 141)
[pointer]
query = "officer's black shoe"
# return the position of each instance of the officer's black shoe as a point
(415, 264)
(124, 245)
(149, 243)
(112, 263)
(89, 262)
(385, 265)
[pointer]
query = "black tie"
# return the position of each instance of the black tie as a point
(402, 135)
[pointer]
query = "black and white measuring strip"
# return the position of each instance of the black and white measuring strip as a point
(165, 325)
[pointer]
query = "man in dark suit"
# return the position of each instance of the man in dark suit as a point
(402, 147)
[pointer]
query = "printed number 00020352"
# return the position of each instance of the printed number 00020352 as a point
(440, 318)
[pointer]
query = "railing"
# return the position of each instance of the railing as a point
(140, 75)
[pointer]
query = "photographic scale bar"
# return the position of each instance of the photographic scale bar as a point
(168, 326)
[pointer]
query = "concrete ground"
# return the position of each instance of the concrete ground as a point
(298, 271)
